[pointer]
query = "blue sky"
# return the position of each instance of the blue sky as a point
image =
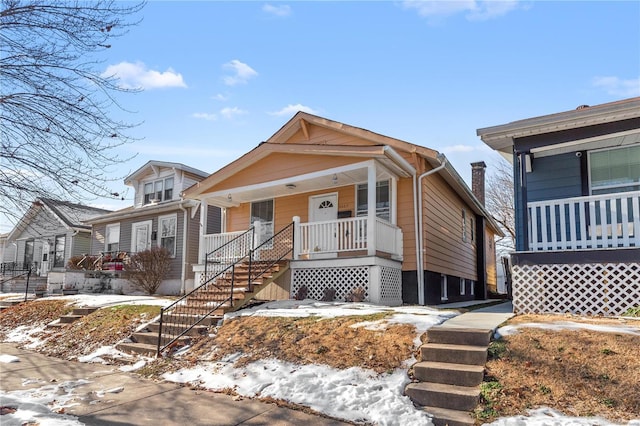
(220, 77)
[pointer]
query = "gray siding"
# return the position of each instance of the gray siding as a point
(554, 177)
(214, 220)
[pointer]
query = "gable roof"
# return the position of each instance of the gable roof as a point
(382, 147)
(70, 215)
(154, 164)
(501, 137)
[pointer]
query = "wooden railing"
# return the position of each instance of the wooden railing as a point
(598, 221)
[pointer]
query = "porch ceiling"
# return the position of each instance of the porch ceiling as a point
(327, 180)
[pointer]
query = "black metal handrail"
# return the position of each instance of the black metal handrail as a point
(193, 315)
(275, 248)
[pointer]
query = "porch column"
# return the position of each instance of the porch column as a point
(371, 209)
(393, 213)
(202, 251)
(296, 237)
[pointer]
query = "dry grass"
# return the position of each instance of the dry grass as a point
(333, 341)
(580, 373)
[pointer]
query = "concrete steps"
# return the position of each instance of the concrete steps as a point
(74, 316)
(447, 378)
(197, 305)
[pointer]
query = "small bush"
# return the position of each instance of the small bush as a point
(148, 268)
(632, 312)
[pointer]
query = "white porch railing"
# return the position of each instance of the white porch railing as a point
(315, 238)
(598, 221)
(348, 235)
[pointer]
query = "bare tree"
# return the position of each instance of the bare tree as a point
(500, 203)
(58, 135)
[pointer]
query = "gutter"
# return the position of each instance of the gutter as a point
(183, 272)
(420, 253)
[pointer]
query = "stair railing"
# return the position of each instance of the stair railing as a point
(184, 318)
(270, 252)
(228, 253)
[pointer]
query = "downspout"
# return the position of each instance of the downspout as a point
(183, 272)
(420, 253)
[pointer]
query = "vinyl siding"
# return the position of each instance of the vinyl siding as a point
(445, 250)
(554, 177)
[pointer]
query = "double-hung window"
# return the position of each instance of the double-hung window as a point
(167, 226)
(112, 238)
(615, 170)
(262, 211)
(158, 190)
(382, 200)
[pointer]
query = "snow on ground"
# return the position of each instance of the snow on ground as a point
(100, 300)
(355, 394)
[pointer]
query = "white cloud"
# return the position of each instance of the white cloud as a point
(283, 10)
(475, 10)
(617, 86)
(292, 109)
(205, 116)
(230, 113)
(458, 148)
(241, 73)
(220, 97)
(137, 76)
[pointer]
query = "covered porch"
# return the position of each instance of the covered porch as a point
(343, 221)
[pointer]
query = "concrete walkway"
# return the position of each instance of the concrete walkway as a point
(141, 401)
(489, 318)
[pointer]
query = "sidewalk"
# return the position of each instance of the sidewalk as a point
(488, 318)
(141, 401)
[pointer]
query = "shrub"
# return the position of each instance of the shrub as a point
(148, 268)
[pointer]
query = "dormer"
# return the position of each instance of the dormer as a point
(160, 181)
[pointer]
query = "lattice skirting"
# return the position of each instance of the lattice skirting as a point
(381, 284)
(589, 289)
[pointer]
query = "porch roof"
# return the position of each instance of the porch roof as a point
(391, 163)
(501, 137)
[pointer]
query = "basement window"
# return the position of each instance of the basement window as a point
(443, 288)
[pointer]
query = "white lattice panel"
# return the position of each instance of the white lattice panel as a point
(391, 284)
(588, 289)
(342, 280)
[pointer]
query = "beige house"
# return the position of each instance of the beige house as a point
(340, 209)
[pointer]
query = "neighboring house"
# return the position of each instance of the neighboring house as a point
(342, 206)
(7, 249)
(577, 208)
(50, 233)
(159, 217)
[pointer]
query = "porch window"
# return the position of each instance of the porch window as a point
(615, 170)
(382, 200)
(58, 258)
(167, 225)
(262, 211)
(112, 238)
(159, 190)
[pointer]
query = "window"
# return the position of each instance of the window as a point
(472, 229)
(28, 252)
(473, 287)
(464, 225)
(463, 286)
(112, 238)
(262, 211)
(58, 258)
(615, 170)
(382, 200)
(443, 287)
(159, 190)
(167, 227)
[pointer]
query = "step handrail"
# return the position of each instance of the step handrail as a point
(272, 244)
(166, 310)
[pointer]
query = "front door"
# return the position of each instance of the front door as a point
(324, 238)
(44, 268)
(141, 236)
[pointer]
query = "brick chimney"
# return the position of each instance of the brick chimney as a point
(477, 180)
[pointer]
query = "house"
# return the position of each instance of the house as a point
(577, 208)
(159, 217)
(339, 208)
(48, 234)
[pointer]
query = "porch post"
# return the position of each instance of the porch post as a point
(371, 209)
(203, 230)
(296, 237)
(393, 213)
